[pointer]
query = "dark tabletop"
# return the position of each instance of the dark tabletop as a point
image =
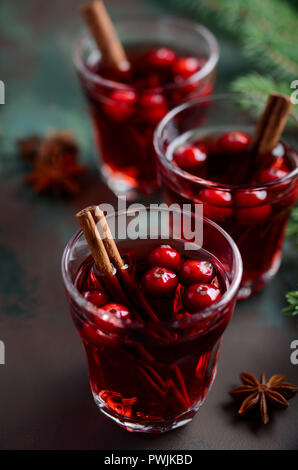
(45, 400)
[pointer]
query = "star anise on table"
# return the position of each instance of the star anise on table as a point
(55, 163)
(275, 392)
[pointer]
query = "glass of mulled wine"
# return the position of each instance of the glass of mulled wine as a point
(151, 374)
(205, 156)
(171, 61)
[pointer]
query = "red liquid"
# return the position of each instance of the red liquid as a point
(152, 375)
(256, 219)
(125, 119)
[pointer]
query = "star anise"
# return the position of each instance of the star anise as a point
(274, 392)
(57, 143)
(56, 169)
(60, 178)
(28, 147)
(34, 146)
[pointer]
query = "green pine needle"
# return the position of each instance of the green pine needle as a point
(267, 30)
(292, 299)
(259, 87)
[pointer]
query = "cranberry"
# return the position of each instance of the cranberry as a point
(90, 334)
(200, 296)
(165, 256)
(273, 161)
(161, 57)
(154, 107)
(190, 157)
(159, 282)
(277, 158)
(118, 311)
(218, 214)
(250, 198)
(194, 271)
(253, 215)
(96, 297)
(118, 314)
(279, 150)
(234, 141)
(153, 80)
(119, 106)
(184, 88)
(99, 339)
(214, 204)
(216, 197)
(271, 174)
(186, 66)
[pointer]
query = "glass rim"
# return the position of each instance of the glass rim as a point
(205, 313)
(202, 73)
(157, 139)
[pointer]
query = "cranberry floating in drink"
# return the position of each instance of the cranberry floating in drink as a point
(151, 315)
(167, 62)
(246, 179)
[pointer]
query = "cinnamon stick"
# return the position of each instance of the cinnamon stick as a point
(104, 34)
(107, 238)
(271, 123)
(102, 261)
(115, 257)
(103, 251)
(177, 394)
(178, 380)
(152, 382)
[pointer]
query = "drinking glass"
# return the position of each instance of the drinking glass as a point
(124, 131)
(258, 229)
(146, 376)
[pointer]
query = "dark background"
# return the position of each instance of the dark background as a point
(45, 400)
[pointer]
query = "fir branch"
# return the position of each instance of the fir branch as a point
(259, 87)
(294, 2)
(292, 299)
(267, 30)
(269, 37)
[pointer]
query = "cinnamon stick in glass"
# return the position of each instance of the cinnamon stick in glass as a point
(114, 255)
(102, 261)
(104, 34)
(104, 250)
(271, 123)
